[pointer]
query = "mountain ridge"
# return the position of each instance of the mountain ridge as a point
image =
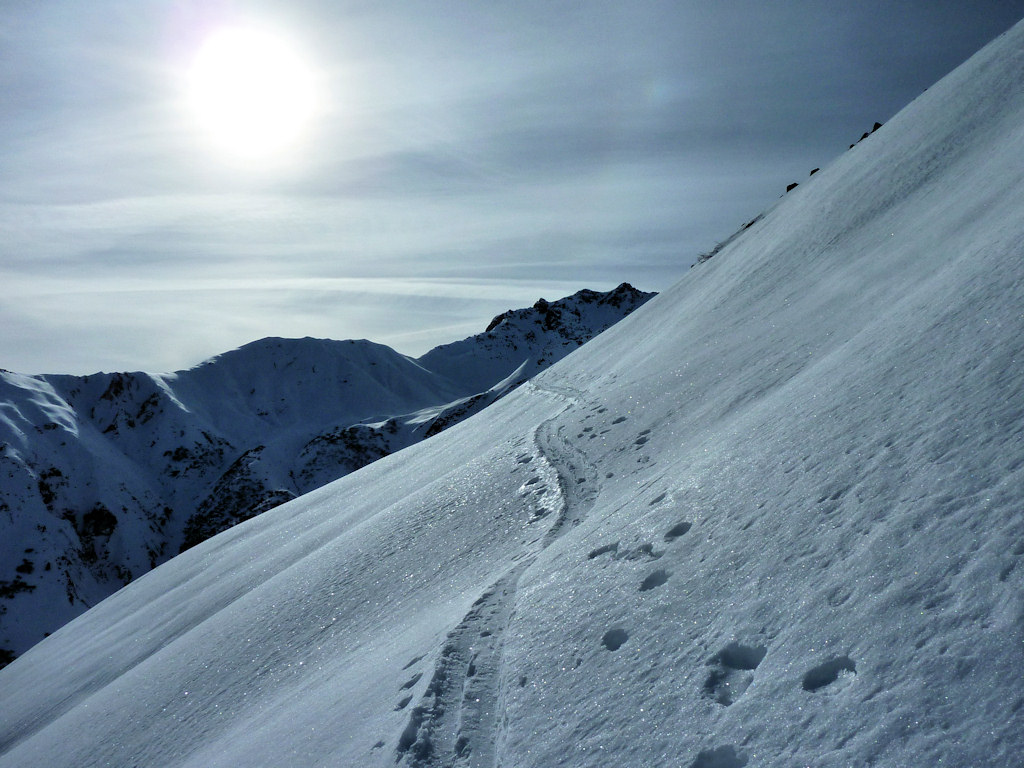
(112, 473)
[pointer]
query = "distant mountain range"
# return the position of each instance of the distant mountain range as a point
(104, 477)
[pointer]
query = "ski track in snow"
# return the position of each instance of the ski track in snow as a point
(456, 723)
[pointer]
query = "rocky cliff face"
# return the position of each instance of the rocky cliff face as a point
(103, 477)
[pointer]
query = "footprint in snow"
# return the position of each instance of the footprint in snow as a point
(636, 553)
(655, 580)
(829, 672)
(604, 549)
(731, 673)
(411, 681)
(721, 757)
(644, 550)
(614, 639)
(677, 530)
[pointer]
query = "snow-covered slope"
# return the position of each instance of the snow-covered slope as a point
(771, 519)
(103, 477)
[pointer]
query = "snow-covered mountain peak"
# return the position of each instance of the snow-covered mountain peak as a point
(284, 381)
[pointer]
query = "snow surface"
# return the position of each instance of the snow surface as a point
(773, 518)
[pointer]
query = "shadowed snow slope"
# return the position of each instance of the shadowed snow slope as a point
(773, 518)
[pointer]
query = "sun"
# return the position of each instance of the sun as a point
(251, 92)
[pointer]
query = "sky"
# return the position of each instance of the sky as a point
(459, 159)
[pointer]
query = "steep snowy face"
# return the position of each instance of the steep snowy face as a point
(102, 477)
(772, 518)
(807, 546)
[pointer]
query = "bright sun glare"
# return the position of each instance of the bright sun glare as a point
(251, 92)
